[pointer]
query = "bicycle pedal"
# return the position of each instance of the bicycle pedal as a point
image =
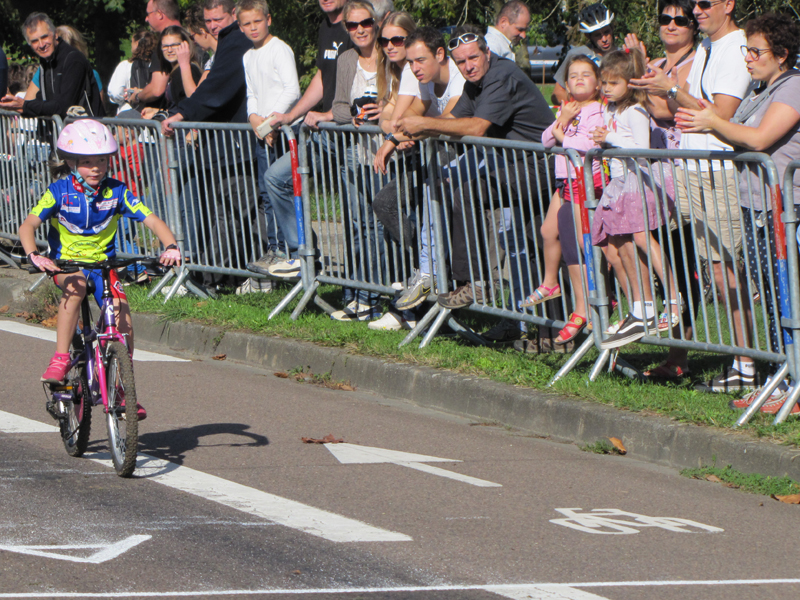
(53, 409)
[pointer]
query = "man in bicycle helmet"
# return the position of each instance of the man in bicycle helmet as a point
(83, 208)
(595, 22)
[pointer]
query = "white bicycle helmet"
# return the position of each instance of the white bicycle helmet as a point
(86, 138)
(594, 17)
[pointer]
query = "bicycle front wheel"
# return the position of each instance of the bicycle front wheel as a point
(122, 419)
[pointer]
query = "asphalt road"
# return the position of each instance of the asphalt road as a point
(229, 503)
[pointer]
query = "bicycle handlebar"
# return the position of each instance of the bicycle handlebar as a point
(73, 266)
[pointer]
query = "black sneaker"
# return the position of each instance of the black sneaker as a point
(506, 330)
(730, 381)
(630, 330)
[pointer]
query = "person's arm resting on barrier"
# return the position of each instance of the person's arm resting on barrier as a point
(76, 69)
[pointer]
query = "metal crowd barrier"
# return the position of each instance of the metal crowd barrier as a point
(25, 147)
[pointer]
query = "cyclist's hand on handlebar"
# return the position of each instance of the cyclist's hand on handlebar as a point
(42, 263)
(170, 256)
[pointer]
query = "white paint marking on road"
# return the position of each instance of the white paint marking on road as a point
(40, 333)
(352, 454)
(612, 521)
(290, 513)
(552, 592)
(385, 590)
(104, 551)
(15, 424)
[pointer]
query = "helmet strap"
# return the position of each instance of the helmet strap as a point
(88, 190)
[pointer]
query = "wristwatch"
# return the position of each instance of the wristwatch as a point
(390, 138)
(673, 92)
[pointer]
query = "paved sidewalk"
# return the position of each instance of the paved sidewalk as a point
(654, 439)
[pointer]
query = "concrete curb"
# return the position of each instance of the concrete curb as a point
(654, 439)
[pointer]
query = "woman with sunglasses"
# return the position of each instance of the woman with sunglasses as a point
(768, 120)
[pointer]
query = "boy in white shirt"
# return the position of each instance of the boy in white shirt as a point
(272, 87)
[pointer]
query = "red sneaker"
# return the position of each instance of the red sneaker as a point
(57, 370)
(743, 403)
(774, 405)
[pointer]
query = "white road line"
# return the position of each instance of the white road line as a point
(49, 335)
(15, 424)
(408, 589)
(553, 592)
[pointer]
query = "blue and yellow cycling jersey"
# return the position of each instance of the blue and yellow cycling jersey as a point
(82, 226)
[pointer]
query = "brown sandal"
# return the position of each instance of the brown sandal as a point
(574, 326)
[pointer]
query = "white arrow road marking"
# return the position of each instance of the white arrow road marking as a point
(105, 551)
(15, 424)
(290, 513)
(545, 592)
(352, 454)
(282, 511)
(40, 333)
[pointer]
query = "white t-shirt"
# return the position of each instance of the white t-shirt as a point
(271, 77)
(628, 128)
(409, 84)
(455, 87)
(726, 73)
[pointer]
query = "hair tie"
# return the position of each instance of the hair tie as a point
(627, 50)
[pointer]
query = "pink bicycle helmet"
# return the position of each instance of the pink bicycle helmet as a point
(86, 138)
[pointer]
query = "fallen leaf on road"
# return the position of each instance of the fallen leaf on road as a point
(297, 572)
(617, 443)
(328, 439)
(219, 357)
(50, 321)
(792, 499)
(281, 374)
(4, 309)
(713, 478)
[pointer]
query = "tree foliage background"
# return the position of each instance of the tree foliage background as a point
(107, 24)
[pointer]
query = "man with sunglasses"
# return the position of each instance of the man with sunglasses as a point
(498, 101)
(510, 28)
(718, 77)
(596, 23)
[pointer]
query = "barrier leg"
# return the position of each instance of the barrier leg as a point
(791, 400)
(196, 290)
(421, 325)
(38, 282)
(324, 305)
(587, 345)
(8, 259)
(161, 283)
(628, 370)
(464, 331)
(598, 364)
(301, 306)
(298, 287)
(763, 395)
(440, 318)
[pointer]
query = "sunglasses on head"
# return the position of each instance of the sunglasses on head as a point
(680, 21)
(466, 38)
(706, 4)
(353, 25)
(396, 41)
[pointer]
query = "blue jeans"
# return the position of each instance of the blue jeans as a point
(271, 231)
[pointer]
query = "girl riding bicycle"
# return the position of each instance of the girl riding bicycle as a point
(83, 208)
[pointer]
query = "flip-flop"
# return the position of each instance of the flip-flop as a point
(542, 294)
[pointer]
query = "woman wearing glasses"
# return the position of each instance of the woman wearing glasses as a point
(176, 53)
(768, 120)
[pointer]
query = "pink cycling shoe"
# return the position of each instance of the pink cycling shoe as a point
(57, 369)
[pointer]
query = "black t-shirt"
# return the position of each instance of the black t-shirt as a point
(333, 41)
(175, 90)
(509, 100)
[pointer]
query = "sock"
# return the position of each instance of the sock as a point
(649, 310)
(637, 310)
(745, 368)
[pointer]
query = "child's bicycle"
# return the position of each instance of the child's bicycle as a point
(100, 373)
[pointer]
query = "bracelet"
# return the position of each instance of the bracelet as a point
(390, 138)
(171, 247)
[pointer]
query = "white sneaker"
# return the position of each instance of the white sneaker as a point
(182, 291)
(251, 285)
(355, 311)
(285, 268)
(392, 322)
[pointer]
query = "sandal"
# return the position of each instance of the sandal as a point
(574, 326)
(667, 321)
(668, 371)
(541, 294)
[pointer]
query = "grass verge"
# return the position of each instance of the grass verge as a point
(752, 483)
(502, 364)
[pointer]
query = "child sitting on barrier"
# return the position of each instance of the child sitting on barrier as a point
(575, 121)
(620, 215)
(83, 209)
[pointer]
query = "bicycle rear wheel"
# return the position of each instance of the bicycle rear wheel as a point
(122, 420)
(76, 425)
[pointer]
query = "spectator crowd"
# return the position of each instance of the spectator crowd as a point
(717, 87)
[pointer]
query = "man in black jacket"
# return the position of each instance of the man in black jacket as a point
(222, 97)
(66, 78)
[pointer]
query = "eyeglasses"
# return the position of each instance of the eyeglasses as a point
(680, 21)
(365, 24)
(147, 14)
(466, 38)
(396, 41)
(754, 52)
(170, 46)
(706, 4)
